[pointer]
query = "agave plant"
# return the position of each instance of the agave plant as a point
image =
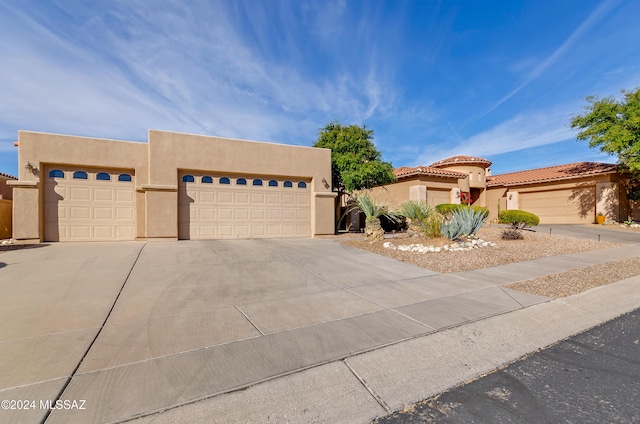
(373, 211)
(465, 222)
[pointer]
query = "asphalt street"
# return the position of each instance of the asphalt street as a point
(593, 377)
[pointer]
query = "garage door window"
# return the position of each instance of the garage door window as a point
(241, 181)
(257, 182)
(225, 180)
(124, 177)
(273, 183)
(207, 180)
(302, 185)
(56, 173)
(188, 179)
(80, 175)
(288, 184)
(103, 176)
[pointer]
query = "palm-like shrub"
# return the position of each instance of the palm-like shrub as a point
(464, 222)
(372, 212)
(447, 209)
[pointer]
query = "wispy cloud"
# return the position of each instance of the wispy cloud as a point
(521, 132)
(596, 16)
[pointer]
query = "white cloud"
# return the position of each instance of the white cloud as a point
(521, 132)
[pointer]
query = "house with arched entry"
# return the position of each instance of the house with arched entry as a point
(564, 194)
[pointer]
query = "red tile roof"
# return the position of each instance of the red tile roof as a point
(11, 177)
(405, 171)
(552, 173)
(462, 160)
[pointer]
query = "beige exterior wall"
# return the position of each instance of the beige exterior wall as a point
(477, 177)
(397, 193)
(5, 218)
(561, 202)
(156, 165)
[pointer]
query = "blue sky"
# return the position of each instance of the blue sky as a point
(495, 79)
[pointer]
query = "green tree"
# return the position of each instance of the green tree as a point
(356, 163)
(613, 126)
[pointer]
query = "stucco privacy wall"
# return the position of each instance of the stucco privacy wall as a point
(437, 190)
(156, 165)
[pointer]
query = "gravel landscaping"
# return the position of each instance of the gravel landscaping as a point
(535, 245)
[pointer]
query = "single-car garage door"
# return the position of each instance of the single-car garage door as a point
(570, 206)
(88, 205)
(214, 206)
(438, 197)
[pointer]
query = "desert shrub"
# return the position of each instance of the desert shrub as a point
(518, 220)
(372, 209)
(423, 218)
(447, 209)
(511, 234)
(464, 222)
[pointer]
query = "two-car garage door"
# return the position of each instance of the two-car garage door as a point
(569, 206)
(219, 206)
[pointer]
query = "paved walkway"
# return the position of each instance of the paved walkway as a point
(317, 332)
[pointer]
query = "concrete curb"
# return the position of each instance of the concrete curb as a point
(369, 385)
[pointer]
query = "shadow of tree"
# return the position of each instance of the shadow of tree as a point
(7, 247)
(584, 196)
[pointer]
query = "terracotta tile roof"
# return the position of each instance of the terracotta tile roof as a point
(406, 171)
(462, 160)
(552, 173)
(11, 177)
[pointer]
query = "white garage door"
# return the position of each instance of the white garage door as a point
(573, 206)
(88, 205)
(438, 197)
(217, 206)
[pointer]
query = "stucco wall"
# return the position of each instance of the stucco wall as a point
(156, 165)
(170, 152)
(476, 175)
(399, 192)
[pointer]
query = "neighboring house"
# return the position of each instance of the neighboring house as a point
(6, 195)
(175, 186)
(564, 194)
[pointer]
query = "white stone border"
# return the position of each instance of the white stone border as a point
(455, 247)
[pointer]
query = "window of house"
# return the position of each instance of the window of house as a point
(56, 173)
(470, 176)
(80, 175)
(302, 185)
(241, 181)
(288, 184)
(225, 180)
(207, 180)
(103, 176)
(124, 177)
(257, 182)
(273, 183)
(188, 179)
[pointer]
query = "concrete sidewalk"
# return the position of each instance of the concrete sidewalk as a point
(317, 332)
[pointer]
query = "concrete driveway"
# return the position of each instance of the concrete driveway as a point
(591, 232)
(133, 328)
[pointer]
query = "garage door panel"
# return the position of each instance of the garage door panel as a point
(88, 209)
(103, 195)
(79, 193)
(80, 212)
(237, 210)
(103, 213)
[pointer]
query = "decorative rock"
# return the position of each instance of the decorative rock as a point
(454, 247)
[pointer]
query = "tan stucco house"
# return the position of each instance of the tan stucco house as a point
(175, 186)
(565, 194)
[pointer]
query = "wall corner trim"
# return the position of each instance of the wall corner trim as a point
(325, 194)
(23, 184)
(155, 187)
